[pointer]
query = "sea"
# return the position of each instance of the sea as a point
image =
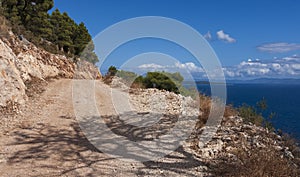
(282, 99)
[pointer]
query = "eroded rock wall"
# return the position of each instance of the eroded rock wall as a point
(22, 62)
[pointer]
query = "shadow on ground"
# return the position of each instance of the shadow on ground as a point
(66, 151)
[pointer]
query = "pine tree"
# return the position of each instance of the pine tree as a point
(81, 38)
(67, 30)
(63, 28)
(37, 20)
(10, 11)
(32, 16)
(14, 16)
(40, 25)
(84, 46)
(55, 20)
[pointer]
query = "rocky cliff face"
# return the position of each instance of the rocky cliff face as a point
(22, 62)
(11, 84)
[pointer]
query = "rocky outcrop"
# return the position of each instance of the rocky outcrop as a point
(235, 134)
(117, 82)
(12, 86)
(32, 61)
(22, 62)
(163, 102)
(234, 141)
(232, 135)
(157, 101)
(86, 70)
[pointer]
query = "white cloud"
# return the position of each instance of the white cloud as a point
(287, 67)
(279, 47)
(151, 66)
(225, 37)
(296, 66)
(276, 68)
(208, 36)
(189, 66)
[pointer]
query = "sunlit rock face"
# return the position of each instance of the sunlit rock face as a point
(21, 61)
(11, 84)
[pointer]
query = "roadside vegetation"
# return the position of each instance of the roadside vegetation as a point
(56, 32)
(159, 79)
(254, 114)
(260, 162)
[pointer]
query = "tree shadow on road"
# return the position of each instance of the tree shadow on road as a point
(67, 151)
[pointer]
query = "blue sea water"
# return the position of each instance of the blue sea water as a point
(283, 99)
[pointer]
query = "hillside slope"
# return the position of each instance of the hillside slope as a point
(22, 63)
(47, 141)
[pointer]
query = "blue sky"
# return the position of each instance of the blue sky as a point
(239, 30)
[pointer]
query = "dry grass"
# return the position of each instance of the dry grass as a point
(205, 106)
(255, 162)
(230, 111)
(259, 163)
(293, 146)
(4, 26)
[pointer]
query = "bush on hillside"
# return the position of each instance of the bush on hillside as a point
(254, 114)
(160, 81)
(127, 76)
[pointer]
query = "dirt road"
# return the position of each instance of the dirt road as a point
(47, 141)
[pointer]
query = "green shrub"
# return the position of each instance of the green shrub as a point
(127, 76)
(249, 114)
(112, 71)
(254, 114)
(160, 81)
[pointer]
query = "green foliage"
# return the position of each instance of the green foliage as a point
(138, 82)
(37, 18)
(31, 19)
(178, 79)
(112, 71)
(262, 104)
(255, 114)
(158, 80)
(191, 91)
(81, 38)
(63, 27)
(29, 13)
(249, 113)
(127, 75)
(175, 77)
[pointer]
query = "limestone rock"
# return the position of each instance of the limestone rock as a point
(86, 70)
(11, 84)
(21, 61)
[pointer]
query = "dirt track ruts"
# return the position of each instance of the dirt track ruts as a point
(47, 141)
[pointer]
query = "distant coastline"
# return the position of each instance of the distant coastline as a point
(248, 81)
(282, 99)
